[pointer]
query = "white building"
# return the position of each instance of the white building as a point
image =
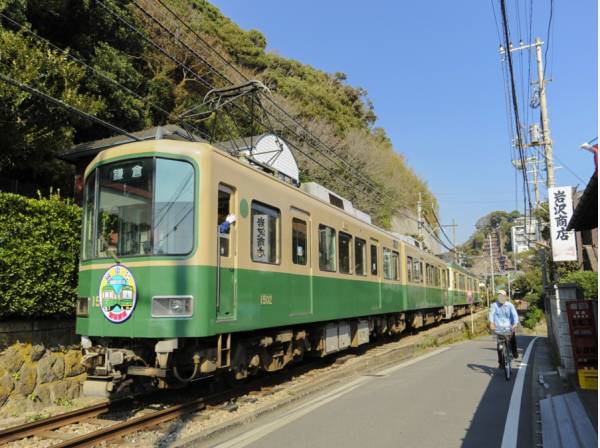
(524, 233)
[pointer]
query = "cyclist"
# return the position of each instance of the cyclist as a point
(503, 315)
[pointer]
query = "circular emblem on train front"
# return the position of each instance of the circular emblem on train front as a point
(118, 293)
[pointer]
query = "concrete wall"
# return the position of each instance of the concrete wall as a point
(49, 332)
(558, 324)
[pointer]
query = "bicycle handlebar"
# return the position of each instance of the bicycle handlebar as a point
(503, 333)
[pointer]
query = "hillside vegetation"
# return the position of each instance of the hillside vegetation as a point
(32, 131)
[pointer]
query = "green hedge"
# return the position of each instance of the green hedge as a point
(587, 281)
(39, 250)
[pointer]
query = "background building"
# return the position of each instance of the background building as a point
(524, 233)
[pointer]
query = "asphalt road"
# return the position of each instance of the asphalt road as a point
(452, 397)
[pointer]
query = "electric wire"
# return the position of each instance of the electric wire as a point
(98, 73)
(527, 198)
(273, 102)
(211, 67)
(65, 105)
(548, 34)
(359, 177)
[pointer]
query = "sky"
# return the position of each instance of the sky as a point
(432, 70)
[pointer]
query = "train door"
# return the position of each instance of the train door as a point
(375, 273)
(226, 255)
(300, 283)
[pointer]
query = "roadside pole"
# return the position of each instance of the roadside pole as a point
(472, 325)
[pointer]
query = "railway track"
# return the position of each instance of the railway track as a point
(53, 428)
(107, 430)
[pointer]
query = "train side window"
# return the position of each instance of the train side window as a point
(415, 269)
(223, 209)
(345, 251)
(396, 265)
(265, 233)
(299, 241)
(373, 259)
(387, 264)
(409, 264)
(327, 248)
(418, 274)
(360, 256)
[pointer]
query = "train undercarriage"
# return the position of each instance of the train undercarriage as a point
(122, 366)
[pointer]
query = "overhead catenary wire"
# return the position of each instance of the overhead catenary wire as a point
(58, 102)
(98, 73)
(348, 183)
(156, 107)
(244, 77)
(206, 83)
(89, 116)
(176, 37)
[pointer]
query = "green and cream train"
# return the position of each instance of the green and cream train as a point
(169, 295)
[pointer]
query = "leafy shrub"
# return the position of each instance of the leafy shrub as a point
(586, 280)
(39, 250)
(532, 317)
(532, 298)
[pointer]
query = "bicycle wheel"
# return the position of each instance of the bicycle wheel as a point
(507, 363)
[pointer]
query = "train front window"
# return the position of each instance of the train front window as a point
(143, 207)
(173, 207)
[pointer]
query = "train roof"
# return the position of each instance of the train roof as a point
(458, 267)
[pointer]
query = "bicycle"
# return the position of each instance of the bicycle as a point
(503, 341)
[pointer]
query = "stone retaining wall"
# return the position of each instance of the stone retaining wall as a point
(39, 364)
(33, 376)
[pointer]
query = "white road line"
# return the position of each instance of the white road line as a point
(511, 427)
(255, 434)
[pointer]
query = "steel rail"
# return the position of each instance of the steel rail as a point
(132, 425)
(54, 422)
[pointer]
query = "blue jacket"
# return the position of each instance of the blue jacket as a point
(503, 316)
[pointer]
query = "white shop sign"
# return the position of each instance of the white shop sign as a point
(560, 201)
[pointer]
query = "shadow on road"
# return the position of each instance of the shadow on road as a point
(488, 370)
(487, 426)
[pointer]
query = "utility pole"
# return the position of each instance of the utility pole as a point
(533, 163)
(547, 140)
(548, 155)
(453, 233)
(492, 264)
(454, 244)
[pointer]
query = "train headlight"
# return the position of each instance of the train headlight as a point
(83, 304)
(172, 306)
